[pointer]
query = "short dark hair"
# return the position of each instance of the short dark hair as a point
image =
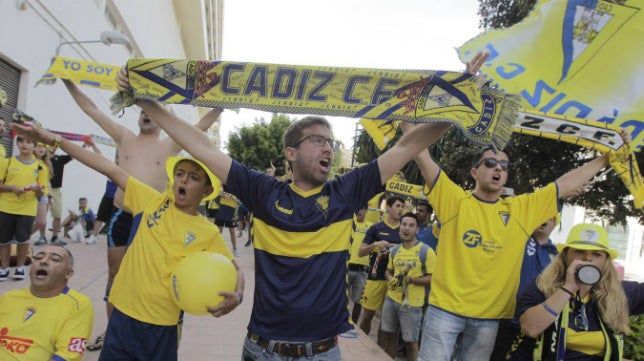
(293, 133)
(82, 199)
(426, 205)
(392, 200)
(478, 156)
(410, 215)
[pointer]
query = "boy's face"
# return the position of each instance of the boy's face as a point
(25, 145)
(82, 203)
(190, 184)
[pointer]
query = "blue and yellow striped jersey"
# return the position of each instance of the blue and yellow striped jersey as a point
(301, 244)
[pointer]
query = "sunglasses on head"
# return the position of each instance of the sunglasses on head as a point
(492, 162)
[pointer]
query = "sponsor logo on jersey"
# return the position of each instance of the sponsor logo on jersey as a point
(472, 239)
(282, 209)
(531, 248)
(77, 344)
(15, 345)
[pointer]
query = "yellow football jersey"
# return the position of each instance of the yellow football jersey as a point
(481, 247)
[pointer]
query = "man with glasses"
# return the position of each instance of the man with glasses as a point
(300, 229)
(483, 237)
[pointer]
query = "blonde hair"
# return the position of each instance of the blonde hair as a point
(608, 293)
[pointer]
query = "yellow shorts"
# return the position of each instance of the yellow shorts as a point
(373, 295)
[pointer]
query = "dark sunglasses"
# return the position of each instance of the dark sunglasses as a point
(580, 320)
(492, 162)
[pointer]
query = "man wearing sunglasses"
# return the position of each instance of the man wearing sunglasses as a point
(483, 237)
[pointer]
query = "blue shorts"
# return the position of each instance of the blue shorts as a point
(118, 231)
(130, 339)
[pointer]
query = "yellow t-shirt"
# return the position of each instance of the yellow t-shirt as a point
(34, 328)
(409, 259)
(374, 213)
(358, 231)
(15, 172)
(481, 247)
(164, 236)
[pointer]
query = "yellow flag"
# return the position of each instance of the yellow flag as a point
(575, 58)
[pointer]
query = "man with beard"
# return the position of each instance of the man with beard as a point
(377, 243)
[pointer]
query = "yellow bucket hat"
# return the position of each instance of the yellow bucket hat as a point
(172, 162)
(588, 237)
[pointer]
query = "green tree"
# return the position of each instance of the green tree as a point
(260, 144)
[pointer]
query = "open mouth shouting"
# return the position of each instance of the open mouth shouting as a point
(41, 274)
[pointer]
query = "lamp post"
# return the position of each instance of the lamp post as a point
(107, 37)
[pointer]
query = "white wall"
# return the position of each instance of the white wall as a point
(29, 40)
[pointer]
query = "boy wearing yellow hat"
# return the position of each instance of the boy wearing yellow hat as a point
(167, 227)
(578, 309)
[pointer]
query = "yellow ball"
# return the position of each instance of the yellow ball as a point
(198, 278)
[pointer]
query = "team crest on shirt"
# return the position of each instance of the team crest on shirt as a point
(28, 313)
(505, 217)
(323, 204)
(188, 238)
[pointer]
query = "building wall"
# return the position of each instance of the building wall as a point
(28, 40)
(628, 239)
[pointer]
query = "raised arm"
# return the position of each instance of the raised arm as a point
(187, 136)
(417, 139)
(203, 124)
(115, 130)
(90, 159)
(569, 183)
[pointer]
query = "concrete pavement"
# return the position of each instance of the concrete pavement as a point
(204, 338)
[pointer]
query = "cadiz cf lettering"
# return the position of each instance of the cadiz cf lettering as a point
(472, 239)
(12, 344)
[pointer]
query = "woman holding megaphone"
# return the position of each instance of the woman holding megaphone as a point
(577, 309)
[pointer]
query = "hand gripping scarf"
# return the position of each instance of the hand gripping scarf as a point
(485, 116)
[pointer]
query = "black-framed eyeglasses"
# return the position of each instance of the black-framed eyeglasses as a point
(580, 320)
(319, 140)
(492, 162)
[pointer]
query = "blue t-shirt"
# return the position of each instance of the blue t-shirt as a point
(535, 259)
(426, 235)
(301, 245)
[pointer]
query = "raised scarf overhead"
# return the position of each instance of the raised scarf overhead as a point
(485, 115)
(161, 79)
(602, 137)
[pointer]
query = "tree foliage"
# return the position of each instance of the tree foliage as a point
(260, 144)
(534, 161)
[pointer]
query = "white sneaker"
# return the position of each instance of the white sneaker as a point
(91, 239)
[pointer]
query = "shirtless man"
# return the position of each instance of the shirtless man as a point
(143, 156)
